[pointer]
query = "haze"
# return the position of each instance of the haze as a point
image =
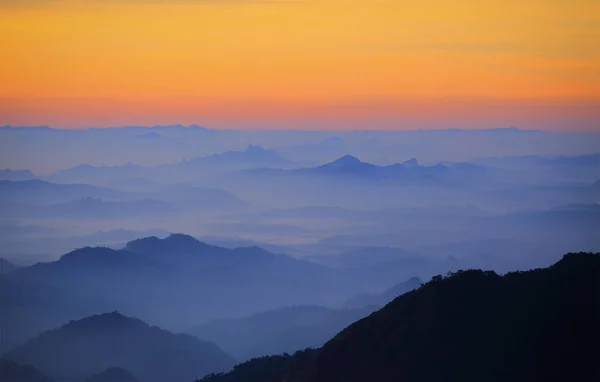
(301, 191)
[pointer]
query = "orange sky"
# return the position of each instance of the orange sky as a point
(295, 63)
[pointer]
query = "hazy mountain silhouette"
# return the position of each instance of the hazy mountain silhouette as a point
(382, 266)
(112, 374)
(11, 371)
(16, 175)
(188, 252)
(6, 266)
(349, 167)
(45, 192)
(39, 243)
(283, 330)
(88, 259)
(471, 326)
(178, 273)
(366, 256)
(93, 344)
(86, 172)
(251, 155)
(381, 299)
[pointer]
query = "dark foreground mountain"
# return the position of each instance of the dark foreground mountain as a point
(284, 330)
(112, 374)
(539, 325)
(13, 372)
(89, 346)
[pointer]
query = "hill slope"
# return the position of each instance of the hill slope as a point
(385, 297)
(13, 372)
(283, 330)
(112, 374)
(539, 325)
(91, 345)
(171, 280)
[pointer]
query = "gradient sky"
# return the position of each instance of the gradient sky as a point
(386, 64)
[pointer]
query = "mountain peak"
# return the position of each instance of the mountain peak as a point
(346, 160)
(104, 322)
(252, 153)
(87, 253)
(255, 149)
(174, 243)
(411, 163)
(87, 346)
(181, 238)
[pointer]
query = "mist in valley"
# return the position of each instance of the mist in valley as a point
(231, 245)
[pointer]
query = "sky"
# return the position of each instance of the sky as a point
(310, 64)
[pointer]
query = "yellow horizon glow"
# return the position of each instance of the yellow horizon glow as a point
(222, 55)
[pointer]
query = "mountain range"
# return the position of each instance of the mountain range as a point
(16, 175)
(252, 155)
(538, 325)
(380, 299)
(283, 330)
(90, 346)
(42, 192)
(179, 273)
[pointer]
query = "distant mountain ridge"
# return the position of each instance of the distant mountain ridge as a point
(251, 155)
(350, 167)
(153, 269)
(538, 325)
(47, 192)
(385, 297)
(16, 175)
(91, 345)
(283, 330)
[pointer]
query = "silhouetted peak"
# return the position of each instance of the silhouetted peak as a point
(413, 162)
(104, 322)
(180, 238)
(10, 171)
(88, 253)
(255, 149)
(252, 153)
(145, 242)
(30, 182)
(174, 243)
(346, 160)
(578, 260)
